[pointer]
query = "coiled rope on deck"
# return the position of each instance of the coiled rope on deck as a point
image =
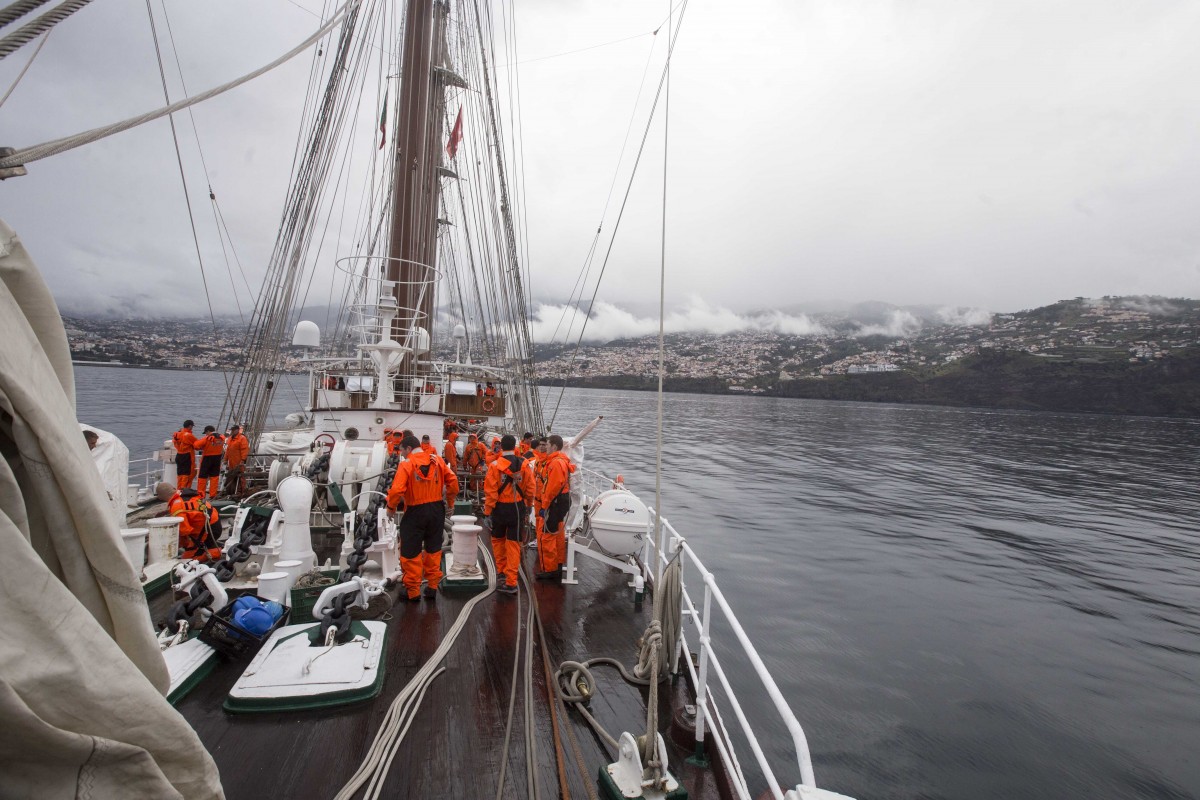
(28, 155)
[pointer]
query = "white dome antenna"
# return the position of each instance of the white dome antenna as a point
(307, 334)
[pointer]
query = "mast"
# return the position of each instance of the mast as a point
(412, 248)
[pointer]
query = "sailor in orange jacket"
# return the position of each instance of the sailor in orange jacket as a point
(504, 490)
(200, 526)
(536, 460)
(211, 447)
(554, 502)
(427, 446)
(450, 451)
(236, 453)
(425, 485)
(475, 460)
(185, 446)
(523, 447)
(497, 448)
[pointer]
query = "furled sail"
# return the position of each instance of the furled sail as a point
(81, 676)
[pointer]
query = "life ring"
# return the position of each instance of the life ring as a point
(488, 405)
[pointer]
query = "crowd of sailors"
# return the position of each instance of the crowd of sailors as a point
(526, 494)
(523, 488)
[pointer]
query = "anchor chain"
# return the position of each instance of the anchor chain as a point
(254, 534)
(366, 528)
(198, 597)
(336, 620)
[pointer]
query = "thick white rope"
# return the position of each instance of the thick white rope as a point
(37, 152)
(378, 760)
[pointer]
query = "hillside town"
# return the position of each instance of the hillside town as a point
(1085, 330)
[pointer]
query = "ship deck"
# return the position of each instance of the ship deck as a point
(456, 744)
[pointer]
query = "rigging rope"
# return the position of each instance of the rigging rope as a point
(25, 69)
(625, 200)
(13, 12)
(183, 181)
(28, 155)
(30, 31)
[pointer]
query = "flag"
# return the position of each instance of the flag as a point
(455, 135)
(383, 123)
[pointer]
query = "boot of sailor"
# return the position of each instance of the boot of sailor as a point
(512, 561)
(499, 553)
(433, 572)
(413, 570)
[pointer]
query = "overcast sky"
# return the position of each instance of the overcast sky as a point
(989, 155)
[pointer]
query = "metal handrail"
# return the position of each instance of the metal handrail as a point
(672, 543)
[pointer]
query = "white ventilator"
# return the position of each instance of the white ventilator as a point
(294, 495)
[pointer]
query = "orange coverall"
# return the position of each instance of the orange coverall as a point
(185, 460)
(503, 490)
(552, 543)
(210, 447)
(425, 485)
(194, 511)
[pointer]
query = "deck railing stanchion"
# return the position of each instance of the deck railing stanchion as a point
(702, 684)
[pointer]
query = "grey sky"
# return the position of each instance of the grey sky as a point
(998, 155)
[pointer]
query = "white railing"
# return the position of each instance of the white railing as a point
(145, 472)
(672, 544)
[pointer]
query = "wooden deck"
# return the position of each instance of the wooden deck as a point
(455, 746)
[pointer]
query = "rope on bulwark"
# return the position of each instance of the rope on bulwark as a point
(30, 31)
(37, 152)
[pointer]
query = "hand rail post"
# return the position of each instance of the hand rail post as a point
(699, 758)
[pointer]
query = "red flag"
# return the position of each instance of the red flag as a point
(455, 135)
(383, 123)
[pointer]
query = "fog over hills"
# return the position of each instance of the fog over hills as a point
(560, 323)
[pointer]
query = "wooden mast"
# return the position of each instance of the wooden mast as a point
(412, 246)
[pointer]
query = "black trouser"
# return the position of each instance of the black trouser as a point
(422, 527)
(210, 466)
(506, 521)
(183, 464)
(557, 512)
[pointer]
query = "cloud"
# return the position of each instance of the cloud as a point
(899, 323)
(1159, 306)
(952, 315)
(560, 323)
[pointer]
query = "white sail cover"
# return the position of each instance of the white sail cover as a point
(111, 458)
(82, 712)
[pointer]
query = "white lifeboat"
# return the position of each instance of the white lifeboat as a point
(619, 522)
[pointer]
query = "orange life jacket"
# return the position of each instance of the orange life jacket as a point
(196, 514)
(422, 478)
(505, 482)
(474, 454)
(184, 441)
(237, 451)
(558, 471)
(212, 444)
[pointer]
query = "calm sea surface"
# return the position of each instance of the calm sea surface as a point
(958, 603)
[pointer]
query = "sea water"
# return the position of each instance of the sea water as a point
(957, 603)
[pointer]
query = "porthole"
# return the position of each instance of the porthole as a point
(350, 434)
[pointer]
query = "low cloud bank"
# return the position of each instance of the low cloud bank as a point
(562, 323)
